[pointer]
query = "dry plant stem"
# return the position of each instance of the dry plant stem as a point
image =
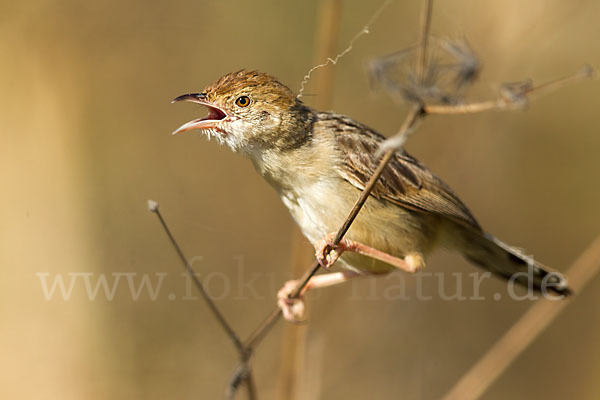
(586, 72)
(470, 108)
(245, 375)
(295, 343)
(481, 375)
(397, 141)
(294, 364)
(425, 24)
(327, 37)
(250, 385)
(211, 304)
(504, 102)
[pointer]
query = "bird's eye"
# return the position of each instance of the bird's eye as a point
(242, 101)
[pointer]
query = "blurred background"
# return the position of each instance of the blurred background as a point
(86, 122)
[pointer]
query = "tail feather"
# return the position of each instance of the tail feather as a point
(501, 259)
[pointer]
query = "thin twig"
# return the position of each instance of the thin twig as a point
(469, 108)
(293, 362)
(587, 71)
(153, 207)
(261, 331)
(250, 385)
(514, 98)
(363, 31)
(497, 359)
(242, 375)
(425, 25)
(394, 143)
(245, 376)
(326, 41)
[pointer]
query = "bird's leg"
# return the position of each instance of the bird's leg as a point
(327, 254)
(293, 308)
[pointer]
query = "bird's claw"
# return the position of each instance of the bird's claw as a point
(291, 308)
(326, 252)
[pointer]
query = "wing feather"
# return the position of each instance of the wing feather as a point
(405, 182)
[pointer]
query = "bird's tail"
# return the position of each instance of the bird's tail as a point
(511, 263)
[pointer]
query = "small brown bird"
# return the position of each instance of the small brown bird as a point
(318, 162)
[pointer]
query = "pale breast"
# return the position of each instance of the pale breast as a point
(321, 208)
(318, 208)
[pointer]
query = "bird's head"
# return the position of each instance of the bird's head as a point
(250, 111)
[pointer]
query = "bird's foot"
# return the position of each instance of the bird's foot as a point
(326, 252)
(291, 308)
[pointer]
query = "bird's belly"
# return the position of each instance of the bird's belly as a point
(322, 209)
(317, 210)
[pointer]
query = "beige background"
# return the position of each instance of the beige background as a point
(85, 137)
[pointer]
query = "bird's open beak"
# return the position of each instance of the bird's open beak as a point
(215, 114)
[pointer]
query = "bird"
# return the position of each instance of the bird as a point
(319, 162)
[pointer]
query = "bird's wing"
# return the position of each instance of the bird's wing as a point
(405, 181)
